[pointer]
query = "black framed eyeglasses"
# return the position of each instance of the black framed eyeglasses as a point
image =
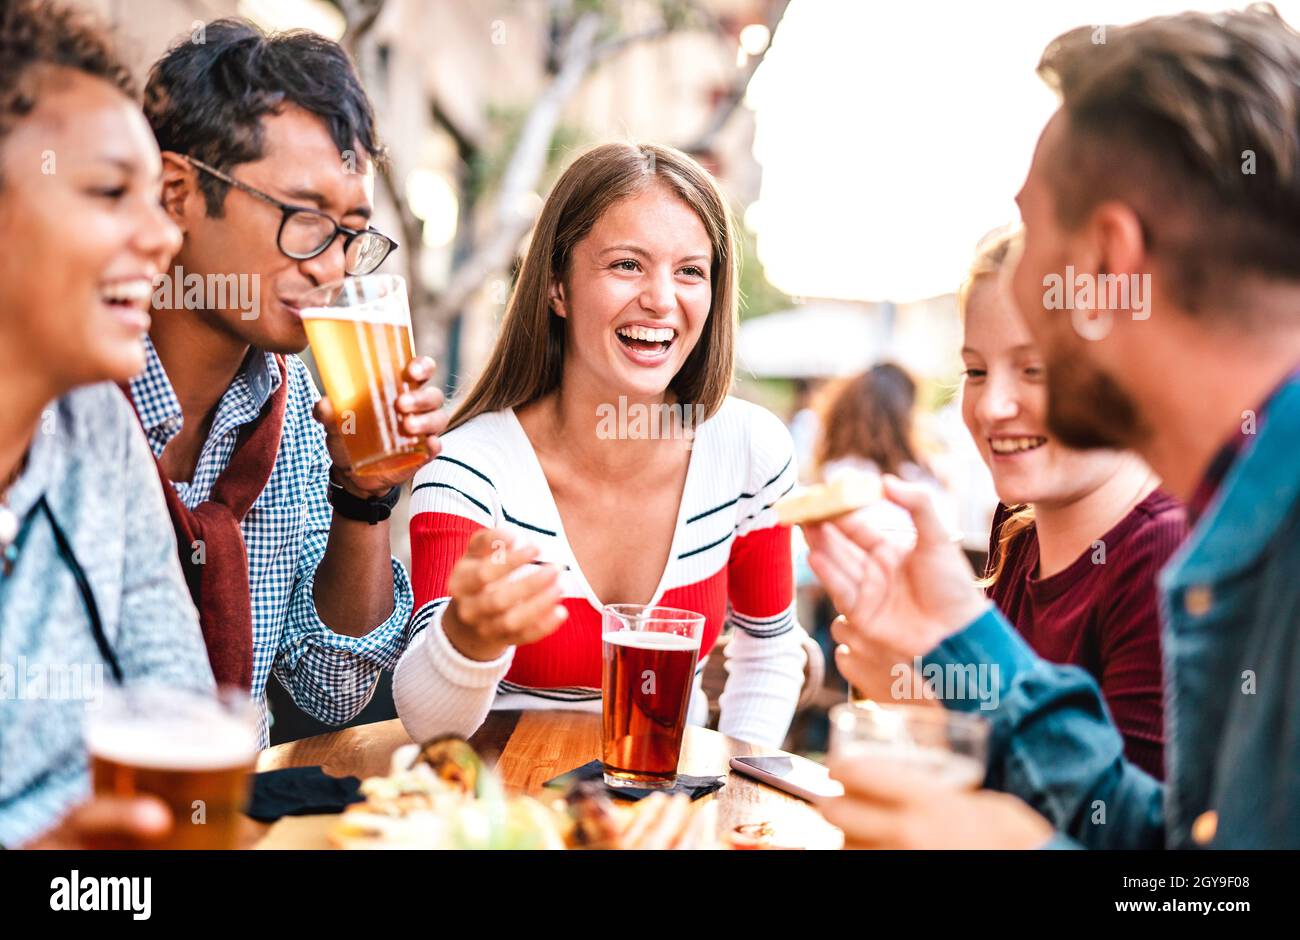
(305, 232)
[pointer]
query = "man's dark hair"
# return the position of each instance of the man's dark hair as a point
(207, 96)
(1194, 120)
(37, 34)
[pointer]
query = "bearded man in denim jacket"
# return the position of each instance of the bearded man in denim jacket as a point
(1160, 276)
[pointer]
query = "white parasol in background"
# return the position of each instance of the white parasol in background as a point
(815, 340)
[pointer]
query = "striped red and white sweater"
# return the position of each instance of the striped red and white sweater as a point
(729, 561)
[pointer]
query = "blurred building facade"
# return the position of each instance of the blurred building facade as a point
(483, 65)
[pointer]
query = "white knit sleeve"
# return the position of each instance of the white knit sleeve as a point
(764, 679)
(436, 689)
(764, 658)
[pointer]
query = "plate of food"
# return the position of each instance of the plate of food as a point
(442, 796)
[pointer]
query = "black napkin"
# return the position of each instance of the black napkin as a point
(694, 787)
(300, 791)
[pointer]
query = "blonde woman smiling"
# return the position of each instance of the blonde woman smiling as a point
(1080, 535)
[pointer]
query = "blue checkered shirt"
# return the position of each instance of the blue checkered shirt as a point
(329, 675)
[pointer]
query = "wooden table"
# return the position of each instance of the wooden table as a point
(531, 747)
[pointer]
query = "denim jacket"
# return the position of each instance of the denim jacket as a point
(1230, 603)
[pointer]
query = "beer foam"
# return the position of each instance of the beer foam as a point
(945, 767)
(379, 313)
(651, 640)
(163, 744)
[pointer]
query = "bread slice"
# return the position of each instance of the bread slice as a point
(824, 501)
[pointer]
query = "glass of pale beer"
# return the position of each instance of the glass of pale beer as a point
(649, 656)
(194, 752)
(360, 334)
(948, 746)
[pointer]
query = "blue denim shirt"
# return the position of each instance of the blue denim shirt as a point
(1230, 602)
(89, 463)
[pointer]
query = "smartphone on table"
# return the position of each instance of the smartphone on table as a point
(791, 774)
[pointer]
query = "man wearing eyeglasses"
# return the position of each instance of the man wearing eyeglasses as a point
(269, 149)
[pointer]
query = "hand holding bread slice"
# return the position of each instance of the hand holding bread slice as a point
(823, 501)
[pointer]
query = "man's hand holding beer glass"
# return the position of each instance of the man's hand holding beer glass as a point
(900, 603)
(489, 610)
(419, 415)
(892, 806)
(381, 423)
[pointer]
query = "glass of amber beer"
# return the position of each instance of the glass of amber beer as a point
(649, 658)
(360, 334)
(194, 752)
(951, 747)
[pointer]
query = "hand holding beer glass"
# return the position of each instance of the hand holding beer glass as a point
(649, 657)
(911, 777)
(193, 752)
(950, 747)
(360, 334)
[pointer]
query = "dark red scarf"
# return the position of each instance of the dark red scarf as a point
(218, 578)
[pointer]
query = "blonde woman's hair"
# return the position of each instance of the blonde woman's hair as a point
(991, 255)
(527, 361)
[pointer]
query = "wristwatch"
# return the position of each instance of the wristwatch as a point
(371, 511)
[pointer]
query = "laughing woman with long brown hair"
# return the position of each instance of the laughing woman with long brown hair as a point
(625, 309)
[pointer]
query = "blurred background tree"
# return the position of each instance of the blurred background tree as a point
(508, 153)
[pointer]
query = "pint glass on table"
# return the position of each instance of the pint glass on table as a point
(949, 747)
(193, 752)
(649, 670)
(360, 333)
